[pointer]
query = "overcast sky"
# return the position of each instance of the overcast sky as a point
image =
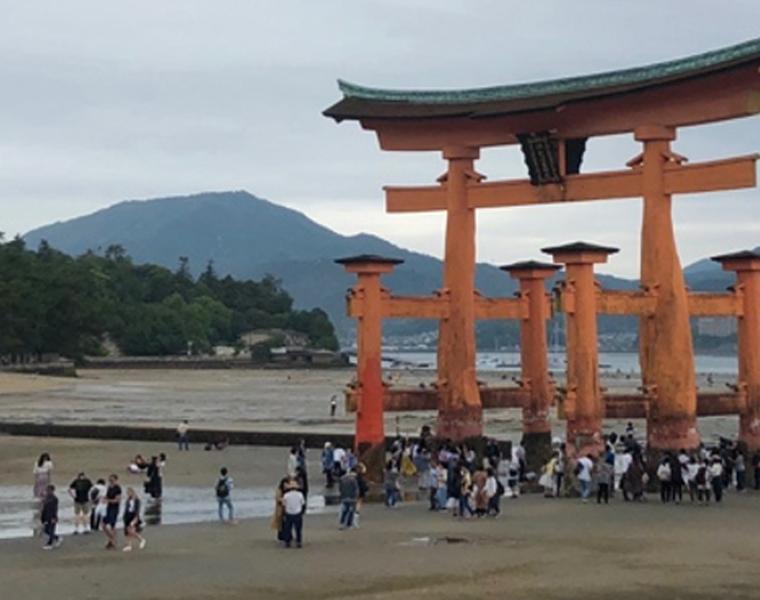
(107, 101)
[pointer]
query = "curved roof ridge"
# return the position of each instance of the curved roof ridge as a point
(671, 69)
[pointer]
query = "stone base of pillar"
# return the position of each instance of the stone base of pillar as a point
(584, 436)
(538, 450)
(372, 456)
(672, 433)
(460, 424)
(749, 433)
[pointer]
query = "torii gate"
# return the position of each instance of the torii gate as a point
(552, 122)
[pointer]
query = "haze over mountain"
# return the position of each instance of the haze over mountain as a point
(249, 237)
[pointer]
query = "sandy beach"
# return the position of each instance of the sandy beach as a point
(295, 400)
(549, 549)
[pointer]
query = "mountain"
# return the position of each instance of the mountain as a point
(249, 237)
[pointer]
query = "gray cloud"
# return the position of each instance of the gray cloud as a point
(107, 101)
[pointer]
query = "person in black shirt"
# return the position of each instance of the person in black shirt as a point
(154, 484)
(79, 490)
(113, 500)
(49, 518)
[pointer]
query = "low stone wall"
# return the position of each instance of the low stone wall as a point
(166, 434)
(197, 436)
(178, 362)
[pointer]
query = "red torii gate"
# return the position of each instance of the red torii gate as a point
(552, 122)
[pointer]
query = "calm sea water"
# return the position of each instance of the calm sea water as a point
(627, 362)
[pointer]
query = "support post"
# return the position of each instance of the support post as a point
(460, 412)
(666, 353)
(369, 440)
(747, 267)
(585, 413)
(532, 277)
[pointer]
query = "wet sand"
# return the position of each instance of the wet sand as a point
(547, 549)
(294, 400)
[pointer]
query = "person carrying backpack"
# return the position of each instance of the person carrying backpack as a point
(223, 492)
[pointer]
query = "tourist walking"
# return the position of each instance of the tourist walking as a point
(583, 469)
(441, 485)
(328, 465)
(703, 482)
(361, 481)
(547, 479)
(294, 505)
(604, 475)
(183, 435)
(49, 518)
(493, 493)
(79, 490)
(292, 462)
(43, 475)
(465, 488)
(113, 502)
(349, 494)
(740, 468)
(692, 469)
(97, 504)
(154, 483)
(716, 478)
(664, 475)
(278, 518)
(559, 471)
(391, 484)
(223, 492)
(132, 521)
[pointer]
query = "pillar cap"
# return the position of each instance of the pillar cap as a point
(368, 259)
(743, 260)
(368, 263)
(530, 269)
(580, 252)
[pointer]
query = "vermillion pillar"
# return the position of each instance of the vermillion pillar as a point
(747, 267)
(459, 411)
(666, 354)
(369, 441)
(532, 276)
(584, 408)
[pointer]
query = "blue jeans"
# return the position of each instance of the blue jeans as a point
(440, 497)
(585, 488)
(464, 505)
(293, 522)
(347, 510)
(184, 442)
(228, 503)
(49, 528)
(391, 496)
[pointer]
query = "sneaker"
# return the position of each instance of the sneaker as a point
(76, 532)
(143, 543)
(298, 545)
(58, 542)
(127, 549)
(47, 547)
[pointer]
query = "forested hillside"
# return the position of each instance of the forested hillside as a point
(53, 303)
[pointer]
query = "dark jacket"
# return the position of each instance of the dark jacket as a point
(49, 509)
(349, 487)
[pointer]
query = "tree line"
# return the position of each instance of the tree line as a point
(51, 302)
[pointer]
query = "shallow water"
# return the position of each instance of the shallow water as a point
(19, 512)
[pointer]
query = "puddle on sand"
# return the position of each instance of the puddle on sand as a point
(19, 512)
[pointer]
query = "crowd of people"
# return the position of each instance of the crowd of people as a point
(455, 478)
(98, 505)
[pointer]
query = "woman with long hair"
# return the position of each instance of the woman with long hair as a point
(132, 521)
(43, 475)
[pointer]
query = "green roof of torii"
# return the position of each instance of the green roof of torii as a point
(360, 101)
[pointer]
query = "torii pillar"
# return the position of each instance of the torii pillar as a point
(584, 406)
(460, 413)
(747, 267)
(369, 440)
(666, 352)
(537, 431)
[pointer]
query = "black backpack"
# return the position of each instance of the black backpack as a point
(222, 488)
